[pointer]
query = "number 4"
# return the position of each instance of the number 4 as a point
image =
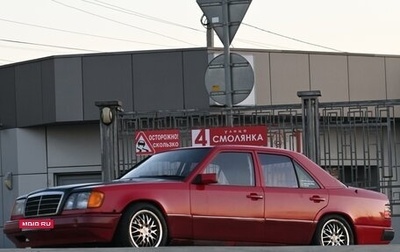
(201, 137)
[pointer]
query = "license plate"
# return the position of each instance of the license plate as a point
(36, 224)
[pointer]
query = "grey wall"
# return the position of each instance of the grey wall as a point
(73, 146)
(3, 214)
(339, 77)
(169, 81)
(23, 154)
(155, 87)
(392, 66)
(65, 89)
(195, 93)
(106, 77)
(329, 73)
(68, 91)
(8, 104)
(28, 87)
(37, 155)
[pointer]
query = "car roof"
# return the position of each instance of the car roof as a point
(245, 147)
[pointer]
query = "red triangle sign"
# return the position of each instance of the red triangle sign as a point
(143, 146)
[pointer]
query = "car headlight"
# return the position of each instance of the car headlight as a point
(83, 200)
(19, 207)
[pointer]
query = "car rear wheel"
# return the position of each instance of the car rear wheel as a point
(333, 230)
(142, 225)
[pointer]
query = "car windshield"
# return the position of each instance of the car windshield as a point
(175, 164)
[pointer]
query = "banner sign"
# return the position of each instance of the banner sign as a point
(153, 141)
(250, 135)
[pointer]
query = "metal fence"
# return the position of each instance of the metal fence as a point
(359, 142)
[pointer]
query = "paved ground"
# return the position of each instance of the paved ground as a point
(384, 248)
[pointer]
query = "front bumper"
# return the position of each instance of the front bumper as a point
(68, 230)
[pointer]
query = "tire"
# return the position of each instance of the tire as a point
(142, 225)
(333, 230)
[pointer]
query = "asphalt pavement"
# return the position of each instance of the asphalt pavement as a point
(357, 248)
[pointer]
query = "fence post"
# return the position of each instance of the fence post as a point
(310, 121)
(109, 138)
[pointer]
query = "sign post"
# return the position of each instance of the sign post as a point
(227, 63)
(225, 17)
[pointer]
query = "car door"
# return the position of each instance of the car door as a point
(233, 208)
(292, 200)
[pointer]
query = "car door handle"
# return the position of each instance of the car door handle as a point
(254, 196)
(317, 198)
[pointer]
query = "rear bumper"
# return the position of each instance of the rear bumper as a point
(68, 231)
(374, 234)
(388, 235)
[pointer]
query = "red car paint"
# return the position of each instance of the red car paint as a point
(197, 209)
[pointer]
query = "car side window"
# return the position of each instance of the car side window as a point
(281, 171)
(233, 168)
(305, 180)
(278, 171)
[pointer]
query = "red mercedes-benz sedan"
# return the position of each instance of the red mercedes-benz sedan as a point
(217, 195)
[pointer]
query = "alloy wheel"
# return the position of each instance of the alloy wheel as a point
(146, 229)
(334, 233)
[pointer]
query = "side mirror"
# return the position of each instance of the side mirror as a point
(206, 179)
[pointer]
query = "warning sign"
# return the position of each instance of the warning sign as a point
(252, 135)
(153, 141)
(143, 145)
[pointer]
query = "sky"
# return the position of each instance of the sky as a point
(32, 29)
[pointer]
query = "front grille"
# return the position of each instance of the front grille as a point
(43, 204)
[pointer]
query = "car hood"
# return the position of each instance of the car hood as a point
(67, 188)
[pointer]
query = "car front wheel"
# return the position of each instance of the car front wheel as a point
(333, 230)
(142, 225)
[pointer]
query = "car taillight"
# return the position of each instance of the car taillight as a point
(387, 213)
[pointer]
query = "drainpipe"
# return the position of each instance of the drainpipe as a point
(310, 120)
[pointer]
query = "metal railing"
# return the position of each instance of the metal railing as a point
(359, 142)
